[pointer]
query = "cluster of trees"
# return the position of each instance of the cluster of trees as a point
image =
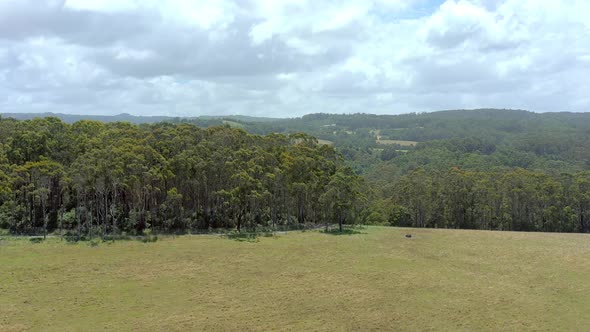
(484, 169)
(517, 200)
(103, 178)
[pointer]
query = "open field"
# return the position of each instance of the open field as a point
(394, 141)
(325, 142)
(379, 139)
(375, 280)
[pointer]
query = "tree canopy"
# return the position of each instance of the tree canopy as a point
(101, 178)
(484, 169)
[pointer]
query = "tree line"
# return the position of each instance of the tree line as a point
(106, 178)
(512, 200)
(504, 172)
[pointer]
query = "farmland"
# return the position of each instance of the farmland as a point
(375, 278)
(325, 142)
(399, 142)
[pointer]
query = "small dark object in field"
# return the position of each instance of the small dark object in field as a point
(409, 236)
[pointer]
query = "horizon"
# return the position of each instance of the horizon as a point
(269, 59)
(58, 114)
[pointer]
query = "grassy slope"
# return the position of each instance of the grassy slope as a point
(440, 279)
(395, 141)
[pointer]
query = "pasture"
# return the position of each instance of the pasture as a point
(374, 279)
(395, 141)
(325, 142)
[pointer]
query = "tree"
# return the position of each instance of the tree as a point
(39, 183)
(342, 196)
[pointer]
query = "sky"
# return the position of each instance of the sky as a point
(287, 58)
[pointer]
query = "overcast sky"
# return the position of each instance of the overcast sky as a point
(292, 57)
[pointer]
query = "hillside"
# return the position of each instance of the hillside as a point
(136, 119)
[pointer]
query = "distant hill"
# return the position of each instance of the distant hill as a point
(70, 118)
(125, 117)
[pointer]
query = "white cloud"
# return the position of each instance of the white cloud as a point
(287, 58)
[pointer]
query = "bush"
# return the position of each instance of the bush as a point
(115, 237)
(5, 215)
(375, 218)
(399, 216)
(69, 219)
(148, 238)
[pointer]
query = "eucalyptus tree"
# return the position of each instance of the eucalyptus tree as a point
(121, 177)
(39, 186)
(343, 196)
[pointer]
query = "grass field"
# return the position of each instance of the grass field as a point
(394, 141)
(325, 142)
(375, 280)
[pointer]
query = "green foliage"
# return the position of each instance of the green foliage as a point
(94, 179)
(389, 152)
(399, 216)
(375, 218)
(518, 200)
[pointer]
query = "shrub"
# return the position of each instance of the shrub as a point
(148, 238)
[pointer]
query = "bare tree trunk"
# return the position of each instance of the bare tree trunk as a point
(61, 221)
(112, 210)
(239, 221)
(106, 214)
(44, 219)
(14, 210)
(79, 222)
(90, 217)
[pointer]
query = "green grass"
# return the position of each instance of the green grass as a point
(373, 279)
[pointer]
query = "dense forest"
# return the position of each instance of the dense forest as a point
(478, 169)
(95, 178)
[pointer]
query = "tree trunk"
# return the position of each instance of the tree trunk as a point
(61, 221)
(239, 222)
(79, 222)
(44, 220)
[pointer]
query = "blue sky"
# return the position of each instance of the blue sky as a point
(292, 57)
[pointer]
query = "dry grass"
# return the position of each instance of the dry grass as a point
(325, 142)
(376, 280)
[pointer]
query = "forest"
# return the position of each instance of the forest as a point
(95, 178)
(470, 169)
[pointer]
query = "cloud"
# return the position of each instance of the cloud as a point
(292, 57)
